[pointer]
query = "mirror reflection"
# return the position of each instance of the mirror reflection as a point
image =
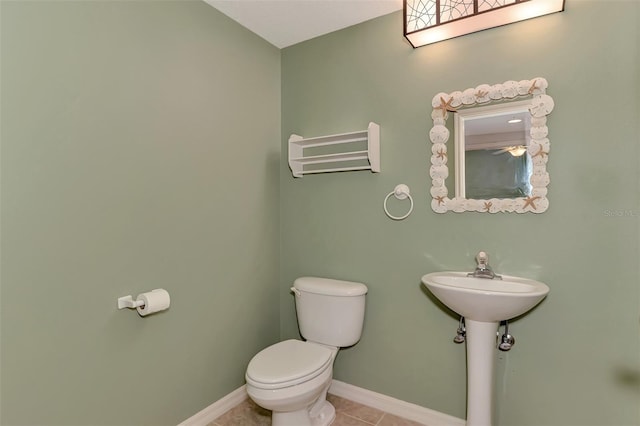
(494, 141)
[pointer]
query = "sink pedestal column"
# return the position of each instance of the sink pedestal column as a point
(481, 346)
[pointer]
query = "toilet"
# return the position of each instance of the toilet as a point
(291, 378)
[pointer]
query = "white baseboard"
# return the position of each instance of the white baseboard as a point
(344, 390)
(218, 408)
(393, 406)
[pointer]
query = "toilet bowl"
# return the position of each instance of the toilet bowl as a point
(291, 378)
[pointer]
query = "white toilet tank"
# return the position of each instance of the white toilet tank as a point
(330, 311)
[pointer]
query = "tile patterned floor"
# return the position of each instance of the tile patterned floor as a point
(348, 413)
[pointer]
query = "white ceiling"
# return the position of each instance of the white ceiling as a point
(287, 22)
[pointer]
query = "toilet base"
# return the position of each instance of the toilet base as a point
(325, 416)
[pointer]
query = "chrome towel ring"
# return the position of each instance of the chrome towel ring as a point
(401, 192)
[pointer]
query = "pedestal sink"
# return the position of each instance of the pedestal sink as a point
(484, 303)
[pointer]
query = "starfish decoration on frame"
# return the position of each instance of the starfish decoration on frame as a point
(533, 87)
(439, 199)
(442, 154)
(530, 201)
(446, 106)
(541, 153)
(487, 206)
(481, 93)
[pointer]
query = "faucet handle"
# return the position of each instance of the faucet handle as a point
(482, 258)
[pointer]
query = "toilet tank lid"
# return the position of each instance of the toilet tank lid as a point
(330, 287)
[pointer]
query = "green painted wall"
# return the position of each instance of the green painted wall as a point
(139, 150)
(576, 360)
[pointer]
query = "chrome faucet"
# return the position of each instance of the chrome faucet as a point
(483, 270)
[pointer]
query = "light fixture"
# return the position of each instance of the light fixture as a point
(514, 121)
(518, 151)
(430, 21)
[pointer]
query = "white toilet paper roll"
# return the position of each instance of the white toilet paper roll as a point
(154, 301)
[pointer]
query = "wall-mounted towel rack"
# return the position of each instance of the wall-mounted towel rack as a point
(342, 152)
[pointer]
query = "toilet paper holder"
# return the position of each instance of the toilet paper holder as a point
(128, 302)
(147, 303)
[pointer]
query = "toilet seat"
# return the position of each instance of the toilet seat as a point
(288, 363)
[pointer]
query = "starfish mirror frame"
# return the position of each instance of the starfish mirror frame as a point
(538, 148)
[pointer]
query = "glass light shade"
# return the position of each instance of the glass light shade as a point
(430, 21)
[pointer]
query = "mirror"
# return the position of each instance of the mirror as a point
(501, 148)
(490, 148)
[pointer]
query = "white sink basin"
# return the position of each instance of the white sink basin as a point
(485, 300)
